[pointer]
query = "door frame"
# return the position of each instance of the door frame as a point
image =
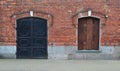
(99, 30)
(31, 17)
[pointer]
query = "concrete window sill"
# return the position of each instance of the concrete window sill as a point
(88, 51)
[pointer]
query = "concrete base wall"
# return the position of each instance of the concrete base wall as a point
(7, 52)
(69, 52)
(60, 52)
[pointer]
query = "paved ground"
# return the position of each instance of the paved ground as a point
(58, 65)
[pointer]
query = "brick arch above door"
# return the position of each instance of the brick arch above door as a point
(36, 13)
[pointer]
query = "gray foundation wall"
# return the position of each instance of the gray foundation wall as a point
(7, 52)
(69, 52)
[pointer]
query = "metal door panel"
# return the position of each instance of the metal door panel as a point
(23, 28)
(31, 38)
(39, 52)
(24, 42)
(23, 52)
(41, 42)
(39, 27)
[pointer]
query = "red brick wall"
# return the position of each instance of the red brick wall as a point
(62, 32)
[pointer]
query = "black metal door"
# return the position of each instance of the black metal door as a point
(32, 38)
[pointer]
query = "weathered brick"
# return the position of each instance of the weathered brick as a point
(62, 32)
